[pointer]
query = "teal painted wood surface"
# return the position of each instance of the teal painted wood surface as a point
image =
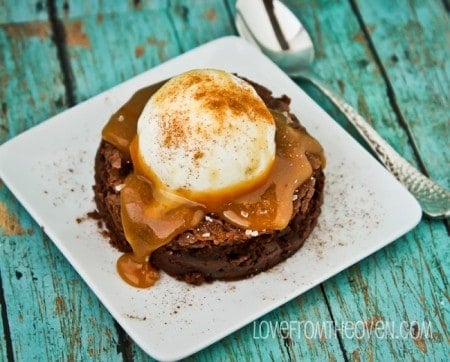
(22, 11)
(93, 48)
(3, 346)
(76, 9)
(47, 304)
(395, 270)
(378, 55)
(345, 61)
(418, 71)
(400, 287)
(195, 25)
(30, 75)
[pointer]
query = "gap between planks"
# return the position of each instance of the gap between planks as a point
(5, 322)
(391, 94)
(59, 39)
(389, 87)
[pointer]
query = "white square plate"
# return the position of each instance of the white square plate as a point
(50, 170)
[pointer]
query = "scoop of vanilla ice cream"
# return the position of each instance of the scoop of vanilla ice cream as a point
(205, 131)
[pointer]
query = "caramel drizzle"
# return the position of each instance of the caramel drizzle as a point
(152, 217)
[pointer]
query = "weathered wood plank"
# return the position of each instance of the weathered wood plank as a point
(67, 9)
(31, 87)
(3, 326)
(401, 289)
(101, 56)
(197, 22)
(404, 282)
(418, 74)
(52, 315)
(50, 311)
(344, 61)
(22, 106)
(22, 11)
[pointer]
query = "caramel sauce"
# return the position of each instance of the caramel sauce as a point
(121, 127)
(136, 273)
(150, 220)
(152, 216)
(270, 207)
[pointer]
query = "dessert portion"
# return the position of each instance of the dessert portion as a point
(206, 176)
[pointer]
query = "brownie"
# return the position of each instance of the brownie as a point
(215, 249)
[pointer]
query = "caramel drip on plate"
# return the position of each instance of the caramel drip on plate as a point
(152, 216)
(150, 220)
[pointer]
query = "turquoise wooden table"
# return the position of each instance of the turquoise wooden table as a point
(389, 59)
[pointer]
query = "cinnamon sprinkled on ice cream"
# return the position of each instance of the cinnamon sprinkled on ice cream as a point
(206, 131)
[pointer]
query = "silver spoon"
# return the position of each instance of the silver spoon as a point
(272, 27)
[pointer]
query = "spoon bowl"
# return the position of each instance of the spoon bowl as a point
(279, 34)
(254, 24)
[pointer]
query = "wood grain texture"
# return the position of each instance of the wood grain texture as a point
(29, 93)
(401, 289)
(197, 22)
(48, 304)
(418, 68)
(51, 315)
(343, 59)
(404, 283)
(101, 56)
(4, 327)
(69, 9)
(21, 11)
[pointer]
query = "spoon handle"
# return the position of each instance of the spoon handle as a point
(434, 200)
